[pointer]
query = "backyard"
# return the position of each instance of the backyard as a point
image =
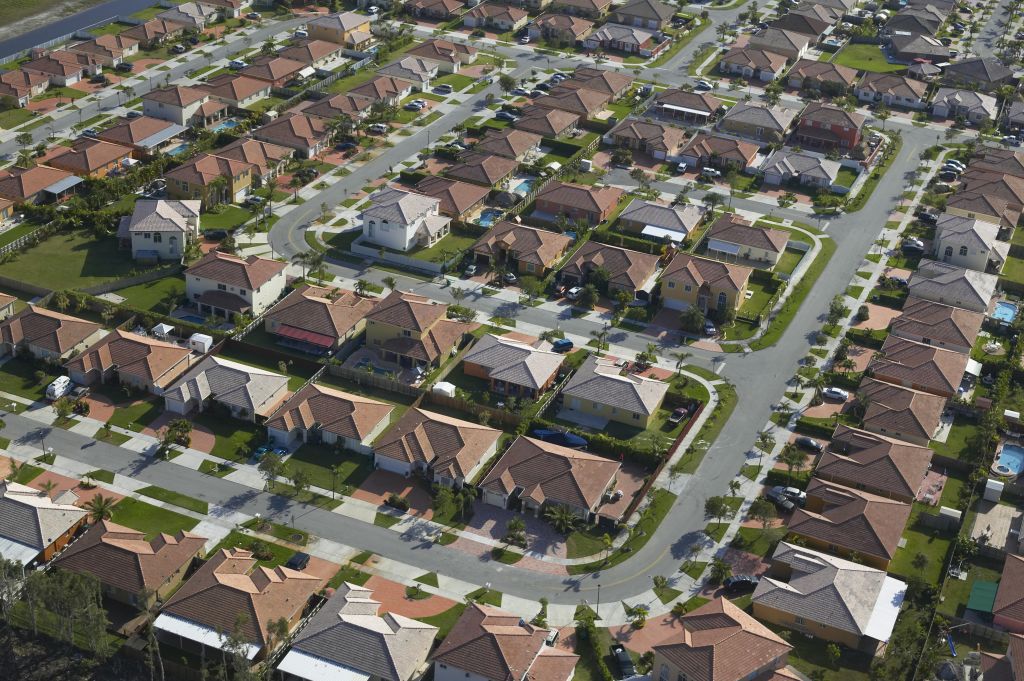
(448, 246)
(866, 57)
(962, 435)
(160, 295)
(957, 592)
(930, 544)
(83, 261)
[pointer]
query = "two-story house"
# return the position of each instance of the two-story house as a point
(521, 248)
(650, 14)
(708, 285)
(210, 179)
(403, 220)
(307, 135)
(828, 126)
(969, 243)
(223, 284)
(159, 230)
(346, 28)
(178, 104)
(412, 331)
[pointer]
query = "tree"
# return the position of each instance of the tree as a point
(645, 358)
(606, 545)
(561, 518)
(680, 358)
(719, 571)
(762, 511)
(712, 200)
(24, 139)
(444, 502)
(837, 310)
(390, 282)
(660, 582)
(692, 319)
(588, 297)
(47, 488)
(765, 441)
(601, 337)
(506, 82)
(734, 488)
(100, 508)
(515, 531)
(773, 92)
(833, 653)
(64, 407)
(622, 156)
(303, 260)
(640, 177)
(271, 467)
(60, 300)
(882, 113)
(717, 507)
(300, 480)
(793, 457)
(786, 200)
(361, 287)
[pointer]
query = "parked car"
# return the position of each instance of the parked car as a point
(470, 270)
(193, 40)
(809, 443)
(557, 437)
(378, 128)
(948, 176)
(179, 49)
(704, 85)
(738, 583)
(534, 94)
(444, 89)
(519, 92)
(301, 33)
(678, 415)
(710, 329)
(562, 345)
(797, 496)
(928, 218)
(833, 393)
(133, 114)
(124, 67)
(298, 561)
(413, 106)
(345, 146)
(780, 500)
(525, 40)
(259, 453)
(1011, 140)
(509, 278)
(912, 244)
(710, 173)
(90, 132)
(374, 9)
(215, 234)
(253, 15)
(623, 661)
(959, 164)
(60, 387)
(574, 292)
(237, 64)
(98, 79)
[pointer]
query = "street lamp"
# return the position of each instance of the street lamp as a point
(598, 612)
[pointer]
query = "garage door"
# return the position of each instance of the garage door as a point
(388, 464)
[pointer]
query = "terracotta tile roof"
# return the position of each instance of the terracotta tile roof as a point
(444, 51)
(823, 71)
(768, 117)
(546, 122)
(89, 155)
(984, 204)
(482, 168)
(709, 145)
(993, 159)
(596, 6)
(898, 86)
(829, 114)
(594, 199)
(151, 360)
(440, 340)
(323, 310)
(720, 642)
(1009, 601)
(345, 21)
(46, 329)
(696, 101)
(600, 381)
(1008, 667)
(263, 155)
(925, 367)
(498, 12)
(851, 519)
(938, 323)
(441, 6)
(600, 80)
(344, 103)
(625, 267)
(893, 409)
(564, 23)
(31, 518)
(310, 51)
(1004, 186)
(736, 230)
(550, 474)
(879, 464)
(272, 68)
(382, 87)
(297, 131)
(234, 87)
(779, 39)
(689, 269)
(177, 95)
(456, 197)
(510, 142)
(943, 282)
(20, 83)
(335, 411)
(581, 101)
(24, 183)
(754, 58)
(246, 273)
(528, 244)
(513, 361)
(124, 559)
(134, 130)
(6, 300)
(154, 28)
(651, 135)
(451, 447)
(204, 169)
(647, 9)
(407, 311)
(116, 41)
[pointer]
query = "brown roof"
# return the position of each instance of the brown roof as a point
(124, 559)
(1008, 667)
(510, 142)
(689, 269)
(992, 159)
(546, 122)
(852, 519)
(582, 101)
(245, 273)
(446, 6)
(736, 230)
(577, 26)
(938, 323)
(46, 329)
(24, 183)
(720, 642)
(697, 101)
(89, 155)
(824, 71)
(407, 311)
(230, 583)
(528, 244)
(233, 86)
(890, 83)
(707, 145)
(624, 267)
(994, 184)
(438, 341)
(606, 82)
(443, 50)
(337, 412)
(324, 310)
(550, 474)
(925, 367)
(651, 135)
(589, 5)
(754, 58)
(894, 409)
(985, 204)
(271, 68)
(204, 169)
(881, 465)
(116, 41)
(830, 114)
(1009, 601)
(382, 87)
(344, 103)
(310, 51)
(456, 197)
(261, 154)
(130, 354)
(177, 95)
(133, 130)
(6, 300)
(482, 168)
(154, 28)
(21, 82)
(586, 197)
(296, 130)
(451, 447)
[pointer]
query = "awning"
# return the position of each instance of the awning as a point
(12, 550)
(162, 136)
(307, 72)
(305, 336)
(723, 247)
(199, 633)
(313, 668)
(973, 368)
(63, 185)
(983, 596)
(695, 112)
(886, 610)
(661, 233)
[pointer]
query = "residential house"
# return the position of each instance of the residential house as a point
(661, 223)
(733, 238)
(723, 642)
(588, 9)
(318, 414)
(355, 107)
(804, 167)
(892, 90)
(7, 306)
(91, 158)
(829, 598)
(762, 123)
(994, 184)
(643, 136)
(489, 644)
(451, 56)
(438, 10)
(561, 29)
(159, 229)
(203, 613)
(510, 143)
(1013, 115)
(512, 367)
(386, 89)
(235, 90)
(521, 248)
(582, 102)
(822, 76)
(628, 39)
(46, 334)
(415, 70)
(111, 49)
(969, 243)
(403, 220)
(242, 390)
(129, 359)
(846, 521)
(193, 15)
(1008, 607)
(780, 41)
(535, 5)
(820, 11)
(984, 73)
(540, 475)
(948, 284)
(986, 207)
(924, 20)
(709, 285)
(974, 107)
(225, 285)
(413, 331)
(1006, 667)
(708, 150)
(210, 179)
(751, 63)
(268, 160)
(6, 213)
(499, 18)
(131, 569)
(829, 127)
(695, 108)
(649, 14)
(924, 71)
(232, 9)
(916, 47)
(317, 319)
(458, 200)
(277, 70)
(154, 32)
(38, 184)
(485, 169)
(600, 392)
(63, 68)
(315, 53)
(943, 326)
(307, 135)
(900, 413)
(447, 450)
(611, 83)
(348, 637)
(919, 366)
(547, 122)
(810, 25)
(629, 271)
(346, 28)
(23, 85)
(178, 104)
(576, 202)
(146, 135)
(36, 527)
(872, 463)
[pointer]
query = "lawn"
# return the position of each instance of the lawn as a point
(961, 436)
(788, 262)
(583, 543)
(866, 57)
(229, 218)
(176, 498)
(237, 352)
(152, 520)
(709, 431)
(444, 621)
(318, 461)
(449, 246)
(458, 81)
(757, 541)
(846, 177)
(485, 596)
(810, 656)
(83, 261)
(957, 592)
(15, 233)
(661, 503)
(234, 440)
(266, 103)
(235, 539)
(154, 294)
(278, 531)
(756, 304)
(17, 376)
(12, 118)
(919, 539)
(27, 473)
(60, 92)
(351, 574)
(136, 416)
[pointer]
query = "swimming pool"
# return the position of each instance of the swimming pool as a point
(525, 186)
(376, 369)
(1011, 457)
(488, 217)
(177, 150)
(1005, 312)
(194, 319)
(225, 125)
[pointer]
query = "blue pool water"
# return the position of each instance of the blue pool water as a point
(488, 217)
(177, 150)
(1005, 312)
(525, 186)
(225, 125)
(376, 369)
(1012, 456)
(192, 318)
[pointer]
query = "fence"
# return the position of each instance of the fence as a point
(143, 278)
(431, 268)
(24, 286)
(373, 380)
(23, 240)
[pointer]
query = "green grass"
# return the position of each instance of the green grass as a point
(716, 531)
(239, 352)
(218, 470)
(788, 262)
(444, 621)
(350, 574)
(136, 416)
(846, 177)
(15, 233)
(757, 541)
(486, 597)
(229, 218)
(920, 539)
(956, 592)
(506, 556)
(751, 472)
(153, 295)
(694, 603)
(667, 595)
(385, 520)
(149, 519)
(233, 440)
(182, 500)
(60, 92)
(430, 579)
(650, 519)
(854, 291)
(962, 435)
(875, 178)
(27, 473)
(5, 443)
(12, 118)
(84, 261)
(694, 569)
(809, 655)
(583, 543)
(458, 81)
(101, 475)
(866, 58)
(278, 531)
(710, 430)
(236, 539)
(318, 461)
(17, 377)
(451, 244)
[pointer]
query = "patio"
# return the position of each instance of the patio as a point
(596, 423)
(367, 360)
(996, 525)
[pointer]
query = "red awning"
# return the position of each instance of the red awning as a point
(305, 336)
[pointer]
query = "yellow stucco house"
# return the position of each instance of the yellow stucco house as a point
(598, 392)
(412, 331)
(709, 285)
(346, 28)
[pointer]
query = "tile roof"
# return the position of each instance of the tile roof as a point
(154, 361)
(455, 197)
(990, 158)
(578, 101)
(754, 58)
(345, 103)
(89, 155)
(30, 517)
(451, 447)
(978, 70)
(1000, 185)
(263, 155)
(736, 230)
(683, 219)
(413, 69)
(46, 329)
(496, 12)
(926, 367)
(23, 81)
(710, 145)
(482, 168)
(231, 383)
(343, 414)
(806, 24)
(298, 131)
(829, 114)
(789, 161)
(625, 268)
(246, 273)
(779, 38)
(586, 197)
(971, 232)
(891, 84)
(546, 122)
(647, 9)
(513, 361)
(882, 465)
(159, 216)
(578, 26)
(824, 71)
(133, 131)
(1009, 601)
(177, 95)
(528, 244)
(234, 87)
(973, 102)
(154, 28)
(937, 322)
(205, 169)
(310, 51)
(345, 21)
(689, 269)
(945, 283)
(327, 311)
(917, 45)
(588, 5)
(272, 68)
(895, 409)
(770, 118)
(600, 80)
(1008, 667)
(444, 50)
(407, 311)
(695, 101)
(400, 206)
(599, 380)
(623, 35)
(20, 184)
(510, 142)
(651, 135)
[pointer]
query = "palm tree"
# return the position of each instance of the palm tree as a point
(47, 487)
(271, 188)
(315, 262)
(562, 518)
(361, 286)
(712, 200)
(792, 456)
(390, 282)
(100, 508)
(302, 259)
(601, 336)
(680, 358)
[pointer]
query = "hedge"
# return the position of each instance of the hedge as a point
(626, 241)
(606, 445)
(778, 476)
(867, 338)
(815, 427)
(412, 177)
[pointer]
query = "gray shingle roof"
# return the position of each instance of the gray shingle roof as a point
(951, 285)
(513, 361)
(599, 381)
(32, 518)
(231, 383)
(400, 206)
(683, 219)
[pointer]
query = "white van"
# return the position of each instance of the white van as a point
(60, 387)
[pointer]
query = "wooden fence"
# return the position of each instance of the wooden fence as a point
(373, 380)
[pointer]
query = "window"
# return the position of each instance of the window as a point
(722, 300)
(158, 238)
(222, 287)
(663, 673)
(596, 406)
(963, 250)
(798, 620)
(406, 333)
(687, 288)
(636, 417)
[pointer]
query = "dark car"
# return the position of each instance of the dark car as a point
(623, 661)
(345, 146)
(810, 443)
(678, 414)
(948, 176)
(928, 218)
(193, 40)
(780, 500)
(99, 78)
(542, 86)
(557, 437)
(737, 583)
(562, 345)
(215, 234)
(299, 561)
(124, 66)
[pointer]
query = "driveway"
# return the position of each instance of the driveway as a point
(379, 485)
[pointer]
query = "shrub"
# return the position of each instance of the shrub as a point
(261, 550)
(397, 501)
(862, 313)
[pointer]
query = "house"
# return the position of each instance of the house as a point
(316, 53)
(969, 243)
(708, 150)
(986, 207)
(46, 334)
(661, 223)
(600, 392)
(547, 122)
(629, 271)
(732, 237)
(6, 306)
(1008, 667)
(129, 359)
(628, 39)
(974, 107)
(940, 282)
(317, 414)
(346, 28)
(846, 521)
(485, 169)
(696, 108)
(535, 5)
(317, 319)
(403, 220)
(448, 450)
(439, 10)
(38, 184)
(822, 76)
(649, 14)
(576, 202)
(585, 103)
(415, 70)
(500, 18)
(561, 29)
(643, 136)
(268, 160)
(348, 637)
(810, 25)
(63, 68)
(900, 413)
(521, 248)
(225, 285)
(879, 465)
(177, 104)
(588, 9)
(943, 326)
(611, 83)
(193, 15)
(111, 49)
(924, 71)
(91, 158)
(762, 123)
(458, 199)
(540, 475)
(6, 213)
(1008, 607)
(994, 184)
(919, 366)
(1013, 116)
(911, 47)
(355, 107)
(154, 32)
(307, 135)
(203, 613)
(750, 63)
(37, 527)
(131, 569)
(721, 641)
(489, 644)
(998, 160)
(210, 179)
(512, 367)
(386, 89)
(232, 9)
(804, 167)
(829, 598)
(892, 90)
(23, 85)
(984, 73)
(244, 391)
(829, 127)
(235, 90)
(413, 331)
(709, 285)
(922, 19)
(159, 229)
(780, 41)
(451, 56)
(277, 70)
(145, 134)
(822, 12)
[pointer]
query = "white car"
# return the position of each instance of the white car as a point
(704, 85)
(301, 34)
(374, 9)
(60, 387)
(834, 393)
(237, 64)
(574, 292)
(525, 40)
(421, 102)
(378, 128)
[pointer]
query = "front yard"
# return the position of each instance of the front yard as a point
(17, 376)
(71, 261)
(234, 439)
(458, 81)
(150, 519)
(229, 218)
(448, 246)
(318, 461)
